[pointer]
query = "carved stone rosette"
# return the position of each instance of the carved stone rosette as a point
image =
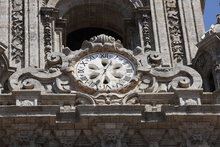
(59, 76)
(17, 31)
(174, 25)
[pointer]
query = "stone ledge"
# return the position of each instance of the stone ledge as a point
(110, 110)
(113, 110)
(153, 117)
(67, 117)
(192, 109)
(14, 111)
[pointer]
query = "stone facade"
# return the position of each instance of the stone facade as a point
(156, 89)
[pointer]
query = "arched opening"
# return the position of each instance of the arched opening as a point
(211, 82)
(76, 38)
(114, 18)
(91, 19)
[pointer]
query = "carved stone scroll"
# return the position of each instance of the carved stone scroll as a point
(150, 77)
(17, 31)
(174, 25)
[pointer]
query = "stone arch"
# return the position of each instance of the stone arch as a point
(95, 15)
(117, 16)
(121, 17)
(124, 5)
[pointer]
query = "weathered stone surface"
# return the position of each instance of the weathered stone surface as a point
(136, 92)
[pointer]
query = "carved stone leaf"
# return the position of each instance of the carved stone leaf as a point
(174, 22)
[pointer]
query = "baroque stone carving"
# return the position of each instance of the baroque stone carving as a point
(152, 136)
(48, 16)
(25, 103)
(150, 77)
(196, 134)
(153, 76)
(174, 25)
(111, 134)
(17, 30)
(146, 32)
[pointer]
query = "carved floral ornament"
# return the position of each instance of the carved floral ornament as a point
(17, 31)
(104, 72)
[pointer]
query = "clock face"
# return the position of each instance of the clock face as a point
(105, 71)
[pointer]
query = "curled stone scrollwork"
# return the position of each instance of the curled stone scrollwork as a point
(19, 81)
(63, 84)
(132, 99)
(150, 77)
(147, 60)
(54, 62)
(17, 29)
(30, 84)
(84, 99)
(180, 82)
(32, 78)
(148, 84)
(154, 59)
(164, 79)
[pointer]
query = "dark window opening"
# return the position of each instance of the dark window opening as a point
(211, 83)
(76, 38)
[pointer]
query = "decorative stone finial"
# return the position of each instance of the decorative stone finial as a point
(102, 39)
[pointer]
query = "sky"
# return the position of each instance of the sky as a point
(212, 8)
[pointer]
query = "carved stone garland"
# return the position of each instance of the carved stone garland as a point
(48, 15)
(17, 31)
(146, 32)
(174, 25)
(47, 35)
